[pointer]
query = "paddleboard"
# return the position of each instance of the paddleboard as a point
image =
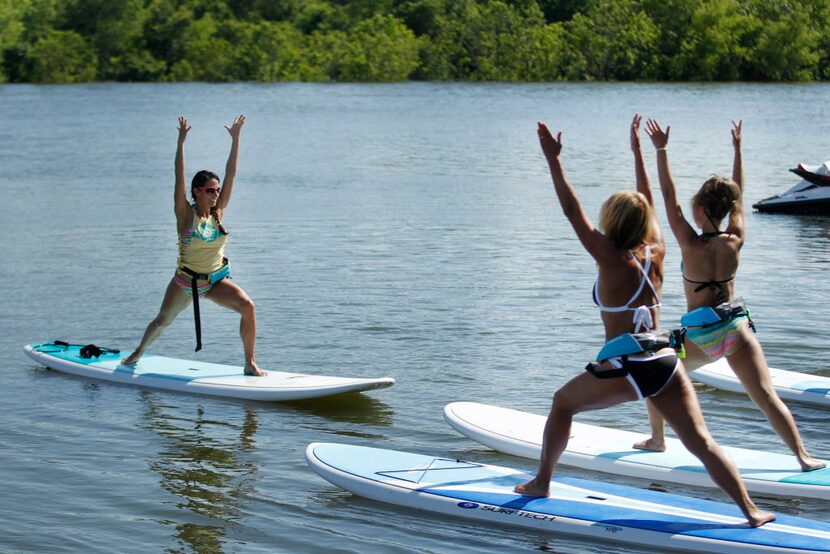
(602, 511)
(161, 372)
(610, 451)
(790, 385)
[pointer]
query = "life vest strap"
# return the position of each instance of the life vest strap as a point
(223, 272)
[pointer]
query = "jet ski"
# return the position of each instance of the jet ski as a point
(810, 196)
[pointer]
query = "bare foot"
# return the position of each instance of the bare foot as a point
(650, 444)
(132, 359)
(811, 464)
(759, 518)
(254, 370)
(532, 488)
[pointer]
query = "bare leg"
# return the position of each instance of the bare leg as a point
(175, 300)
(228, 294)
(679, 406)
(657, 441)
(695, 358)
(749, 364)
(583, 392)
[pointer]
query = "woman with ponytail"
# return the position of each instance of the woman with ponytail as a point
(718, 324)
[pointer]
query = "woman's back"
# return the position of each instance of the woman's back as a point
(709, 267)
(628, 290)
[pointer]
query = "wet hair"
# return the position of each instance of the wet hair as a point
(201, 179)
(625, 219)
(717, 196)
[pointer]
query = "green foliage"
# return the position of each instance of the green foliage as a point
(39, 18)
(208, 56)
(787, 49)
(11, 30)
(11, 21)
(560, 10)
(614, 39)
(275, 51)
(319, 15)
(673, 19)
(422, 16)
(165, 29)
(491, 40)
(716, 46)
(60, 57)
(60, 41)
(547, 44)
(115, 30)
(378, 49)
(135, 65)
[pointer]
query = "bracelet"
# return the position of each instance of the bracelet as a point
(661, 149)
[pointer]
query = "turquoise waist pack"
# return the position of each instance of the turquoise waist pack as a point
(700, 317)
(221, 273)
(635, 343)
(706, 315)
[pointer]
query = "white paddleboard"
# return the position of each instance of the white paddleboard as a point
(610, 451)
(790, 385)
(197, 377)
(596, 510)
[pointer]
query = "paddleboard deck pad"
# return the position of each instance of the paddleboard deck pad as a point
(601, 511)
(790, 385)
(611, 451)
(189, 376)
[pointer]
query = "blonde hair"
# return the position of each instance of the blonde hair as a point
(625, 219)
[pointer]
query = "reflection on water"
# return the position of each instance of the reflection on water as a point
(814, 239)
(202, 463)
(809, 231)
(348, 408)
(206, 463)
(547, 545)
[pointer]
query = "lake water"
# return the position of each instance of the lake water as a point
(404, 230)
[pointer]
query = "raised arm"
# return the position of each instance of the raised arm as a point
(593, 241)
(736, 214)
(680, 227)
(234, 130)
(643, 182)
(180, 204)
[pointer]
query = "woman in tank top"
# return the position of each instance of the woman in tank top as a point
(203, 271)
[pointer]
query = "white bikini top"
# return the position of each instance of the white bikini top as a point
(642, 314)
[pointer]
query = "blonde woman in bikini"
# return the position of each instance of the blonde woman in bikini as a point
(718, 324)
(203, 271)
(635, 362)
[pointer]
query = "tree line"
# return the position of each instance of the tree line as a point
(67, 41)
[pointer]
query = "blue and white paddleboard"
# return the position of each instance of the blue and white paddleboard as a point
(197, 377)
(610, 451)
(790, 385)
(591, 509)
